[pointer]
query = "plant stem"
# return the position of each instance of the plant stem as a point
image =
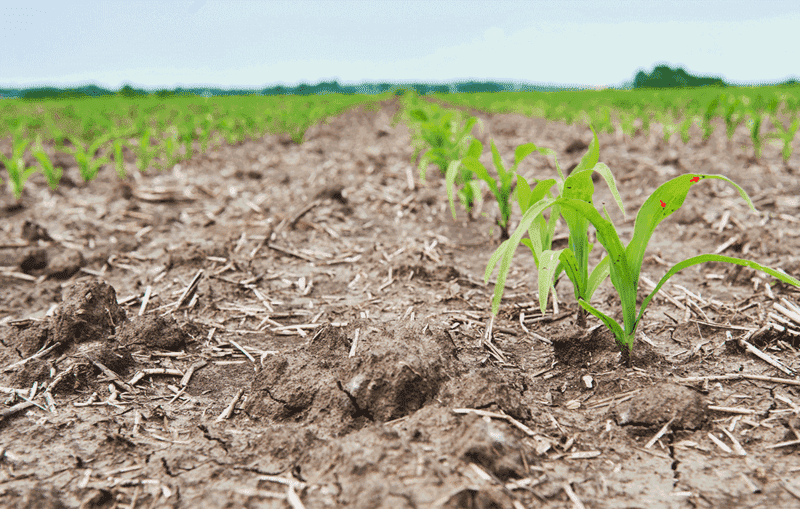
(580, 319)
(503, 232)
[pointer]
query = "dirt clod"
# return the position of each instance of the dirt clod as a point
(393, 373)
(656, 405)
(155, 332)
(89, 312)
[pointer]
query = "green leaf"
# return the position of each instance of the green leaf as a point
(578, 186)
(695, 260)
(475, 149)
(540, 233)
(99, 142)
(467, 128)
(624, 340)
(418, 115)
(496, 256)
(473, 191)
(498, 163)
(450, 179)
(665, 200)
(574, 271)
(605, 172)
(51, 173)
(523, 193)
(509, 247)
(482, 173)
(522, 152)
(538, 193)
(529, 244)
(548, 263)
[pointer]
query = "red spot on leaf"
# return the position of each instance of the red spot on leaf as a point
(695, 179)
(662, 203)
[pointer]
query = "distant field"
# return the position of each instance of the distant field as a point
(163, 131)
(160, 131)
(90, 117)
(634, 110)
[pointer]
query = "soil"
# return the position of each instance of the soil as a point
(283, 325)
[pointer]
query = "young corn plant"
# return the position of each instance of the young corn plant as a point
(626, 261)
(50, 172)
(501, 188)
(145, 152)
(708, 117)
(783, 133)
(445, 141)
(786, 135)
(187, 135)
(119, 136)
(203, 127)
(685, 125)
(443, 136)
(551, 263)
(119, 157)
(733, 116)
(169, 148)
(18, 174)
(754, 126)
(85, 156)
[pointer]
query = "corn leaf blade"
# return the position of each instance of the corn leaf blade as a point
(665, 200)
(510, 247)
(695, 260)
(548, 263)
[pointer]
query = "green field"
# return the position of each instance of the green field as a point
(676, 109)
(162, 131)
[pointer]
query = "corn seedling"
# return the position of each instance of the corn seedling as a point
(708, 117)
(119, 158)
(145, 152)
(439, 133)
(785, 134)
(203, 129)
(669, 126)
(119, 139)
(50, 172)
(18, 174)
(626, 262)
(187, 135)
(500, 188)
(573, 260)
(754, 126)
(441, 136)
(628, 124)
(170, 148)
(85, 156)
(684, 127)
(733, 116)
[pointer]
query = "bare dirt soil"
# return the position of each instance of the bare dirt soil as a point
(282, 325)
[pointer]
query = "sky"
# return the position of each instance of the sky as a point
(255, 44)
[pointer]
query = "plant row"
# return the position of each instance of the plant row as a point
(98, 131)
(444, 139)
(769, 113)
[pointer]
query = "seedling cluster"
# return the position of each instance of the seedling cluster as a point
(569, 198)
(622, 263)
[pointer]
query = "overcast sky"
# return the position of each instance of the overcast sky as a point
(248, 44)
